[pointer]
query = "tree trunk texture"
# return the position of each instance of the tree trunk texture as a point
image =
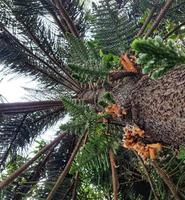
(157, 106)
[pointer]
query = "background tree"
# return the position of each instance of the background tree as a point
(49, 41)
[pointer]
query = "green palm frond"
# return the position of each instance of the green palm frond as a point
(87, 62)
(81, 116)
(20, 126)
(112, 28)
(54, 166)
(37, 182)
(29, 31)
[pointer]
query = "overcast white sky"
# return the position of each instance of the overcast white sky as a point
(11, 88)
(11, 85)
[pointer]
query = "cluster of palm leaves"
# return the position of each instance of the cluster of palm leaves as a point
(71, 50)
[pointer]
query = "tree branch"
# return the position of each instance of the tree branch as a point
(24, 167)
(114, 175)
(159, 17)
(67, 167)
(147, 21)
(167, 180)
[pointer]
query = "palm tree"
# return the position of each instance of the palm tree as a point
(48, 40)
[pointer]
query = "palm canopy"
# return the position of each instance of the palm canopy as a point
(49, 41)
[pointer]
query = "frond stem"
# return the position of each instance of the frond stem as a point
(38, 58)
(166, 180)
(74, 193)
(67, 167)
(148, 176)
(66, 17)
(114, 175)
(161, 15)
(13, 140)
(37, 42)
(174, 30)
(25, 166)
(146, 22)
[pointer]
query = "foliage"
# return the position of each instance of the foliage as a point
(181, 154)
(87, 62)
(19, 129)
(49, 41)
(156, 57)
(109, 24)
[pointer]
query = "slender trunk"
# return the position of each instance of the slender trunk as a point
(24, 167)
(67, 167)
(21, 107)
(115, 182)
(147, 21)
(157, 106)
(167, 180)
(159, 17)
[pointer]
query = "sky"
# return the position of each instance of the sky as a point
(11, 89)
(11, 86)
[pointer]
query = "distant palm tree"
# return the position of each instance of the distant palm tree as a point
(49, 41)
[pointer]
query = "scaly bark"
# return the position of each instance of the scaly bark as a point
(157, 106)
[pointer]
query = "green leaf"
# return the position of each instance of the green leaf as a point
(181, 154)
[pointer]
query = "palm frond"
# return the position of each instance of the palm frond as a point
(19, 59)
(41, 175)
(43, 41)
(54, 166)
(21, 123)
(113, 30)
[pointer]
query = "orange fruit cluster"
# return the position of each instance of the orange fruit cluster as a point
(128, 64)
(115, 110)
(146, 151)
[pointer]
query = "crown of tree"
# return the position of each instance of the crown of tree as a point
(117, 71)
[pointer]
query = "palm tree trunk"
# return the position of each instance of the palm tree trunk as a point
(156, 106)
(21, 107)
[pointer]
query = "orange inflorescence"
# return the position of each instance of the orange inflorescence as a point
(128, 64)
(115, 110)
(146, 151)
